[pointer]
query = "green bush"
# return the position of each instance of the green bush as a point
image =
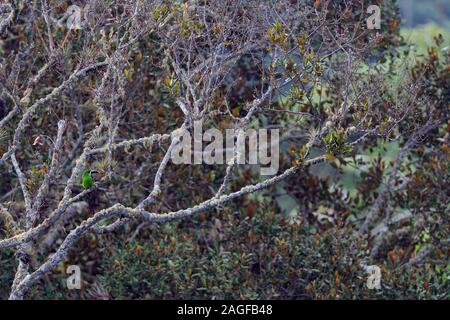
(259, 257)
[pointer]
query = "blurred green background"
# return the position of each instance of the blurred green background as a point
(420, 12)
(422, 20)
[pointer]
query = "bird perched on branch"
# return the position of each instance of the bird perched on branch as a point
(87, 182)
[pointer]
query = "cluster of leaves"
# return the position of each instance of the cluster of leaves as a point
(336, 143)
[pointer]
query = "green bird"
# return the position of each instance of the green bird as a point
(86, 180)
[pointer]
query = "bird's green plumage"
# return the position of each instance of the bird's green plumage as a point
(86, 179)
